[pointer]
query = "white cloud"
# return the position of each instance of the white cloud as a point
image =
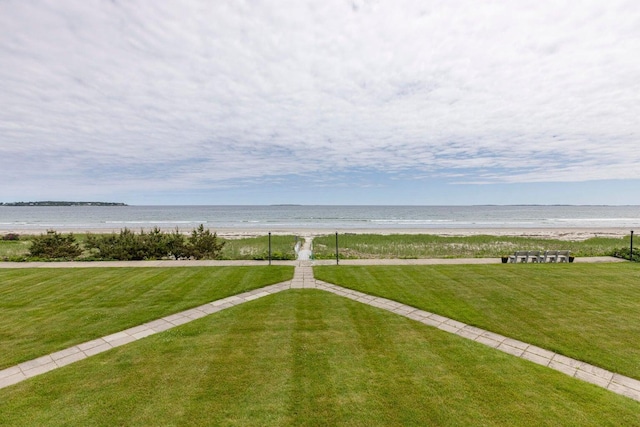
(197, 94)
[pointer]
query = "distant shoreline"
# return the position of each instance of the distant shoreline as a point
(52, 203)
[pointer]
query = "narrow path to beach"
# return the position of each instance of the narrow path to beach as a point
(303, 279)
(304, 254)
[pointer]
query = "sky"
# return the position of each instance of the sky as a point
(416, 102)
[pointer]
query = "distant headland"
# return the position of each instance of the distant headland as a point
(50, 203)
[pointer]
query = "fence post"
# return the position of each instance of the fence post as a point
(337, 252)
(269, 248)
(631, 247)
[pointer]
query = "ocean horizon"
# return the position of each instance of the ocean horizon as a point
(321, 217)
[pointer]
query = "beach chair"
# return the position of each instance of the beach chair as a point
(534, 256)
(550, 256)
(563, 256)
(519, 256)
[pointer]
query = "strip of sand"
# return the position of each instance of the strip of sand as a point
(565, 233)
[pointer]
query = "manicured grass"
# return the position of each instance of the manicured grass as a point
(308, 358)
(431, 246)
(45, 310)
(589, 312)
(282, 247)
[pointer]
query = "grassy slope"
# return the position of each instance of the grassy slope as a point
(590, 312)
(306, 358)
(44, 310)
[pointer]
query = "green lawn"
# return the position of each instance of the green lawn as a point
(432, 246)
(589, 312)
(45, 310)
(309, 358)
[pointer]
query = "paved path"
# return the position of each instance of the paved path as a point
(213, 263)
(305, 252)
(303, 278)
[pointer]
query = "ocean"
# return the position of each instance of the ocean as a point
(338, 218)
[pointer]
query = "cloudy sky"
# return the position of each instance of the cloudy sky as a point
(320, 102)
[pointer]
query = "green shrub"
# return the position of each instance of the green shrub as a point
(54, 246)
(175, 245)
(204, 245)
(156, 244)
(625, 253)
(127, 245)
(124, 246)
(11, 236)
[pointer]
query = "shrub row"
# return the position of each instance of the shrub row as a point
(55, 246)
(127, 245)
(625, 253)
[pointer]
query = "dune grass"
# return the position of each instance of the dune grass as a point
(308, 358)
(10, 249)
(45, 310)
(282, 247)
(590, 312)
(432, 246)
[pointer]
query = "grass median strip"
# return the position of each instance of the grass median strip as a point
(590, 312)
(305, 357)
(46, 310)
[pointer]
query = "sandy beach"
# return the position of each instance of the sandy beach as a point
(566, 233)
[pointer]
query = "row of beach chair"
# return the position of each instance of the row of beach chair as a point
(539, 256)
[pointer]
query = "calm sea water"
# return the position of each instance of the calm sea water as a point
(316, 217)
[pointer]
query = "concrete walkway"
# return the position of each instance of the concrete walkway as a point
(215, 263)
(303, 278)
(304, 254)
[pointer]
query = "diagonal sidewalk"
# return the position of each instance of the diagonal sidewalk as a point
(303, 279)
